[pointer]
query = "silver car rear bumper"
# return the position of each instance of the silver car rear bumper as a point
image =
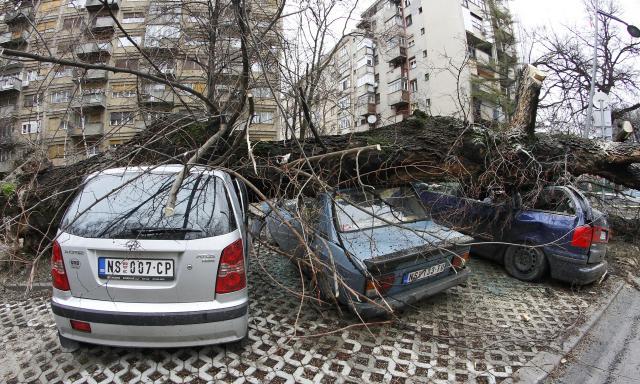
(154, 329)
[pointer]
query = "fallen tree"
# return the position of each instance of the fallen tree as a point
(421, 148)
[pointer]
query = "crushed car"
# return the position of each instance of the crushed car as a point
(560, 234)
(127, 274)
(378, 249)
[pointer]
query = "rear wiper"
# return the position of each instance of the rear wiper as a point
(150, 230)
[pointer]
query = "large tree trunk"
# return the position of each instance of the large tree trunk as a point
(433, 149)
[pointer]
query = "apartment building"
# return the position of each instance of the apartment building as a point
(452, 58)
(73, 113)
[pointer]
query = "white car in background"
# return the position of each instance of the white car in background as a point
(125, 274)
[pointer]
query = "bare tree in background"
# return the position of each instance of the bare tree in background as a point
(566, 55)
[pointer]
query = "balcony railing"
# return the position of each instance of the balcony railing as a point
(399, 98)
(97, 100)
(8, 65)
(8, 111)
(366, 109)
(13, 38)
(19, 15)
(91, 75)
(11, 85)
(157, 96)
(103, 24)
(397, 54)
(90, 129)
(94, 48)
(95, 5)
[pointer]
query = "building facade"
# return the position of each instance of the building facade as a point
(72, 113)
(451, 58)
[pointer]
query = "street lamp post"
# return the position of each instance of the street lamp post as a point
(634, 32)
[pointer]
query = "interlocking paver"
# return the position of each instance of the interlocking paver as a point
(480, 333)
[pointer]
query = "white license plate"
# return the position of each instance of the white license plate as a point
(135, 269)
(423, 273)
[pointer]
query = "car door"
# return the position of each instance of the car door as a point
(550, 221)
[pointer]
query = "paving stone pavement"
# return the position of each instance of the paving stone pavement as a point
(480, 333)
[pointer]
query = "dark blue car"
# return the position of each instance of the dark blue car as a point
(560, 234)
(377, 250)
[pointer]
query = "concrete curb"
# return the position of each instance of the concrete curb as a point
(538, 368)
(39, 286)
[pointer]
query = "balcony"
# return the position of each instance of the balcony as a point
(96, 5)
(8, 111)
(103, 24)
(11, 85)
(10, 65)
(9, 39)
(92, 101)
(91, 75)
(399, 98)
(157, 96)
(398, 54)
(366, 109)
(90, 129)
(94, 48)
(19, 15)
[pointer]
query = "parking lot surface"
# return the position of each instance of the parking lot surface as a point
(479, 333)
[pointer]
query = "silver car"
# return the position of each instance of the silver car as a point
(127, 274)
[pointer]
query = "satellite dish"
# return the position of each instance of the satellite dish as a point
(371, 119)
(601, 98)
(633, 30)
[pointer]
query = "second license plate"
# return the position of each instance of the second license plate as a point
(423, 273)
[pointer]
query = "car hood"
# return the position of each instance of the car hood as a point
(375, 242)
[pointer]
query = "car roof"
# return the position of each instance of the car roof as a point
(157, 169)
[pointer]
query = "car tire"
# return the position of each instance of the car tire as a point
(525, 263)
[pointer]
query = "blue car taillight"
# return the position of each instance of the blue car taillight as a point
(378, 286)
(585, 235)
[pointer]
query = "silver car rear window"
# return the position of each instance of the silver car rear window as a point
(130, 205)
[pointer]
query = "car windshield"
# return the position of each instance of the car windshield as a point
(357, 210)
(130, 205)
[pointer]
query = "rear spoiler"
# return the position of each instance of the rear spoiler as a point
(389, 261)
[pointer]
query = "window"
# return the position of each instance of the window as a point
(32, 100)
(125, 42)
(93, 150)
(62, 72)
(120, 118)
(345, 83)
(422, 32)
(76, 3)
(256, 67)
(428, 104)
(398, 85)
(424, 53)
(127, 63)
(414, 85)
(113, 144)
(427, 77)
(262, 93)
(413, 63)
(5, 155)
(420, 10)
(377, 98)
(344, 123)
(263, 117)
(411, 43)
(30, 127)
(375, 60)
(344, 103)
(63, 96)
(46, 25)
(133, 17)
(190, 65)
(407, 3)
(555, 201)
(31, 75)
(408, 20)
(72, 22)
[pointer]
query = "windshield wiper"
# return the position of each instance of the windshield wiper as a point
(150, 230)
(141, 231)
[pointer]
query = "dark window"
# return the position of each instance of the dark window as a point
(127, 63)
(555, 201)
(408, 20)
(130, 205)
(72, 22)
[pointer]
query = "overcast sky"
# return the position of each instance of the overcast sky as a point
(555, 13)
